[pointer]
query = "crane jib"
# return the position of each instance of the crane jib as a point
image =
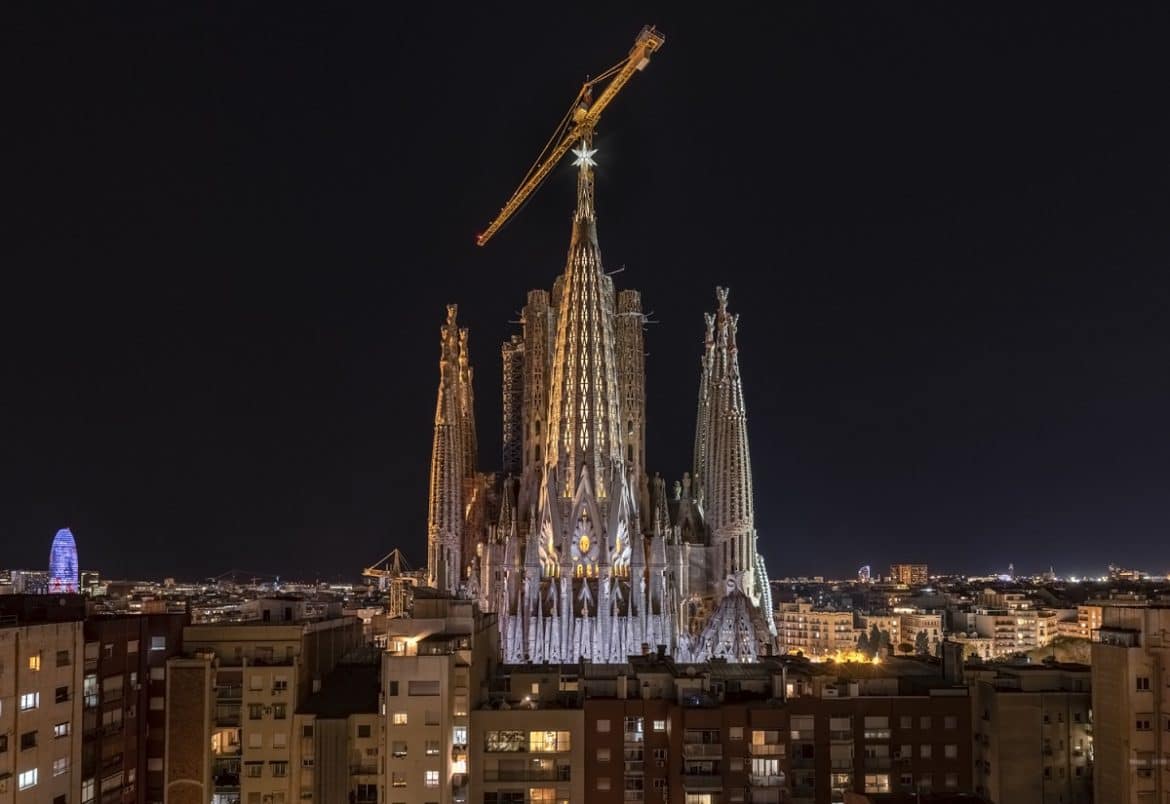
(648, 41)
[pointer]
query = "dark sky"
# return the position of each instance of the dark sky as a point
(231, 231)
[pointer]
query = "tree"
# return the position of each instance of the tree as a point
(863, 643)
(875, 640)
(884, 647)
(922, 643)
(905, 647)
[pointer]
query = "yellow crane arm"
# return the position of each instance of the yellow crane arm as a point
(584, 116)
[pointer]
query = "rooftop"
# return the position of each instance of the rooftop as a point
(351, 689)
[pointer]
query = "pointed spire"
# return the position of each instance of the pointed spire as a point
(445, 509)
(466, 406)
(583, 422)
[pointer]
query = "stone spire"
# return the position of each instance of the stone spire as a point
(724, 469)
(583, 421)
(448, 453)
(466, 408)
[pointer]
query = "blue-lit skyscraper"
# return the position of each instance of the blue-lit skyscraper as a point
(63, 563)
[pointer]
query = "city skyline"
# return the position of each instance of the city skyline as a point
(951, 343)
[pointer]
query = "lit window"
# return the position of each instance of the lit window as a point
(61, 730)
(30, 700)
(399, 719)
(27, 779)
(60, 766)
(660, 725)
(431, 748)
(158, 643)
(603, 755)
(536, 688)
(459, 735)
(88, 790)
(432, 778)
(734, 733)
(34, 662)
(398, 780)
(603, 726)
(398, 749)
(602, 782)
(951, 751)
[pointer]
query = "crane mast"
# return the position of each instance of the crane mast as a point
(578, 123)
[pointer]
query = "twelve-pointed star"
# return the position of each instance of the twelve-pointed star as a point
(584, 156)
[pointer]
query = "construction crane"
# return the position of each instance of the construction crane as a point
(578, 123)
(397, 578)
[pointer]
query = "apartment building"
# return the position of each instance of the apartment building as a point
(40, 708)
(910, 574)
(1131, 722)
(339, 737)
(124, 702)
(434, 672)
(915, 623)
(1033, 738)
(231, 698)
(784, 730)
(814, 632)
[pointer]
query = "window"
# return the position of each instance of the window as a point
(1143, 723)
(34, 662)
(431, 717)
(398, 780)
(108, 650)
(157, 703)
(279, 740)
(399, 719)
(279, 684)
(603, 755)
(27, 779)
(548, 741)
(61, 730)
(306, 731)
(736, 765)
(88, 790)
(877, 782)
(924, 750)
(154, 764)
(505, 740)
(1143, 683)
(256, 683)
(602, 782)
(279, 769)
(306, 762)
(660, 753)
(254, 769)
(635, 729)
(733, 733)
(280, 711)
(132, 646)
(398, 749)
(906, 722)
(363, 730)
(431, 779)
(602, 726)
(60, 766)
(158, 674)
(431, 748)
(158, 643)
(660, 725)
(30, 700)
(61, 799)
(536, 688)
(924, 722)
(62, 658)
(459, 735)
(28, 740)
(950, 722)
(393, 687)
(951, 751)
(951, 781)
(422, 688)
(255, 711)
(255, 740)
(61, 694)
(3, 743)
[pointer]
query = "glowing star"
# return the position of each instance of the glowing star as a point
(584, 156)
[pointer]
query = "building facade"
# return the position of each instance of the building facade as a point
(576, 549)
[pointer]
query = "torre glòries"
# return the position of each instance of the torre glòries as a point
(579, 552)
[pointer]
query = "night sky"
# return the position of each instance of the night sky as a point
(231, 231)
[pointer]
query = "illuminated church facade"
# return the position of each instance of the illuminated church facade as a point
(577, 549)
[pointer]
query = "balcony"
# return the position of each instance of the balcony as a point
(701, 782)
(636, 767)
(877, 763)
(229, 693)
(703, 750)
(227, 781)
(803, 762)
(634, 795)
(841, 736)
(365, 769)
(562, 774)
(756, 780)
(766, 749)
